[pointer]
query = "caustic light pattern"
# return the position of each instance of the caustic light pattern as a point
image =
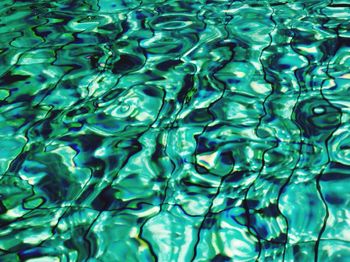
(174, 130)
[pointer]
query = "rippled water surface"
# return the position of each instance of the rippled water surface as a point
(174, 131)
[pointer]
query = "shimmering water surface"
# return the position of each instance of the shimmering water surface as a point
(174, 130)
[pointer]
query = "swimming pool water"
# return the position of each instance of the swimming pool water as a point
(174, 130)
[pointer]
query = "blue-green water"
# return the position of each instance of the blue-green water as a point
(174, 130)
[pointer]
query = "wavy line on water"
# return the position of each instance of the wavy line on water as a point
(318, 178)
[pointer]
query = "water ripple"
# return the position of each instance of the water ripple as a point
(174, 130)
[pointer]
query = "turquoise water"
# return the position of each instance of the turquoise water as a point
(174, 130)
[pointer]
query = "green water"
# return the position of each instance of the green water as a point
(174, 131)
